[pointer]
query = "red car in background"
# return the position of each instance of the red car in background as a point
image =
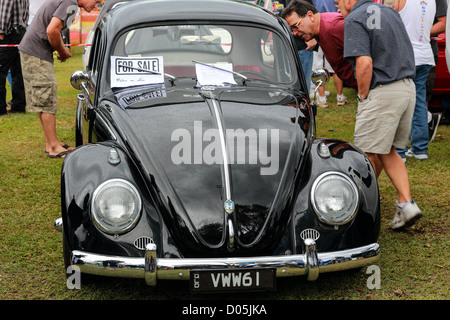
(440, 100)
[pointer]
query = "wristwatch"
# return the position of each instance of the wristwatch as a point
(360, 99)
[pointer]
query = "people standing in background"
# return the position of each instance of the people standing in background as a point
(375, 37)
(437, 28)
(418, 16)
(13, 23)
(326, 26)
(321, 62)
(36, 52)
(306, 53)
(34, 7)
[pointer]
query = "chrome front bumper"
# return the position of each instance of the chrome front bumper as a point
(151, 268)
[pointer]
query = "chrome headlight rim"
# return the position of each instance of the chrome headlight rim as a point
(353, 208)
(97, 219)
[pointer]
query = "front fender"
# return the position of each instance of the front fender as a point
(83, 170)
(364, 228)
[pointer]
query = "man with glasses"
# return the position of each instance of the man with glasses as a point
(379, 48)
(328, 29)
(306, 54)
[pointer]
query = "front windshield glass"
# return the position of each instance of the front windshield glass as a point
(153, 55)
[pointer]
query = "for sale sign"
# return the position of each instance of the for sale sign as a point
(134, 71)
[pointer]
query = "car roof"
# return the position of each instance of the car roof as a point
(150, 11)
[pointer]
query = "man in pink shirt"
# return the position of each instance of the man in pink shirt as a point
(328, 29)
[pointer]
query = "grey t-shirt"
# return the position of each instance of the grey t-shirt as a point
(35, 42)
(377, 31)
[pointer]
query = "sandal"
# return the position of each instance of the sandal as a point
(59, 155)
(65, 146)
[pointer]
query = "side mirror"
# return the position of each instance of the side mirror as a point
(320, 77)
(78, 79)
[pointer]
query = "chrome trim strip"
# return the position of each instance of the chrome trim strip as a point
(230, 235)
(223, 146)
(151, 268)
(226, 168)
(100, 118)
(312, 261)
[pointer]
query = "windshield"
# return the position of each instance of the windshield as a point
(218, 55)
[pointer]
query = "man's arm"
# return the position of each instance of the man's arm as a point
(363, 71)
(54, 37)
(439, 26)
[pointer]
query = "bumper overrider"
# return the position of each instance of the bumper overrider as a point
(151, 268)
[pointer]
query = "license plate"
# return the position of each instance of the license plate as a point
(263, 279)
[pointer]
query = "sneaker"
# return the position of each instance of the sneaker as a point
(322, 103)
(433, 125)
(406, 216)
(342, 100)
(410, 153)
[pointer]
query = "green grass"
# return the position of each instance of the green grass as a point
(414, 263)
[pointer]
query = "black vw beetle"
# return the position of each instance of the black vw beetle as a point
(197, 158)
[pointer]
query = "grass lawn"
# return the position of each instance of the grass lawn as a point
(414, 263)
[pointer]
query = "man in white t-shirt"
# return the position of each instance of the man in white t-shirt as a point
(418, 16)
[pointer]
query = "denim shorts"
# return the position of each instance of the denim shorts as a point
(383, 119)
(39, 80)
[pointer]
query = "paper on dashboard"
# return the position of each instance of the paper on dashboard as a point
(213, 76)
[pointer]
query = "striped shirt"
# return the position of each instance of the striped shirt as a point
(13, 13)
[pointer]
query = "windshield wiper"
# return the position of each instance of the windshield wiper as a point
(172, 78)
(215, 67)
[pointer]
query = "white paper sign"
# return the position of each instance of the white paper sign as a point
(140, 94)
(208, 76)
(134, 71)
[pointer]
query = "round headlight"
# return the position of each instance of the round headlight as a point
(116, 206)
(335, 198)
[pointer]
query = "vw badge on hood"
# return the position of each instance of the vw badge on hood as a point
(229, 206)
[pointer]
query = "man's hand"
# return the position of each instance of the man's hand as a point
(311, 44)
(54, 37)
(64, 55)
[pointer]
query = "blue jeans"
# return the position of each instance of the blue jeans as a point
(419, 126)
(306, 58)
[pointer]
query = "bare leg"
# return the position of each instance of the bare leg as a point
(376, 163)
(52, 145)
(395, 168)
(339, 84)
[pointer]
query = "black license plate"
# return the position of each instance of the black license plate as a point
(263, 279)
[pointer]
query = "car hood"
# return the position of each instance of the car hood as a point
(175, 136)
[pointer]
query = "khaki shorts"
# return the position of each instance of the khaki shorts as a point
(383, 120)
(39, 80)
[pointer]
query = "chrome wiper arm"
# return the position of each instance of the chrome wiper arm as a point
(214, 67)
(172, 78)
